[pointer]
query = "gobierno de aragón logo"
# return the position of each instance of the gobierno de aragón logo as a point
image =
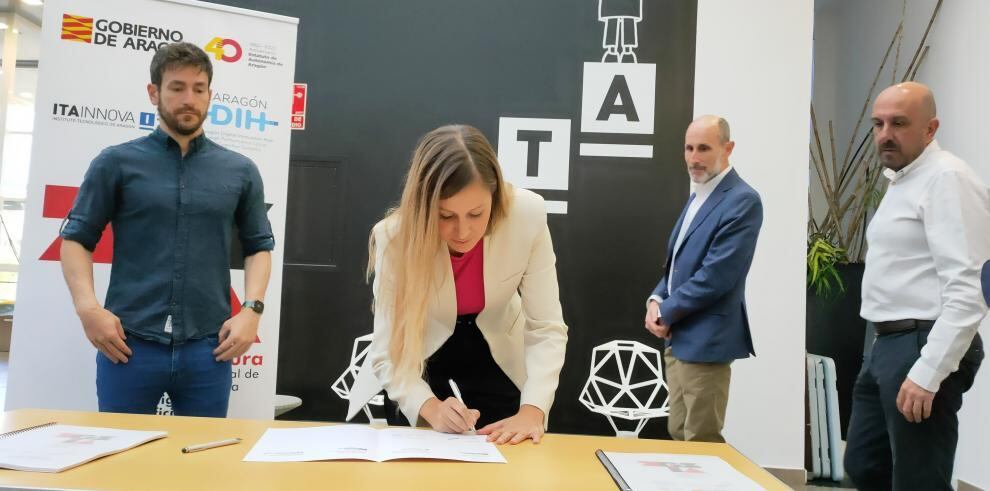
(139, 37)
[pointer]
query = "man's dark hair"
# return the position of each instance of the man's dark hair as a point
(178, 55)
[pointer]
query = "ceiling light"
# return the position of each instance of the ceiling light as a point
(32, 2)
(2, 26)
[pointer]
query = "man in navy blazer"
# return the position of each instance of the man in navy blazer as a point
(699, 305)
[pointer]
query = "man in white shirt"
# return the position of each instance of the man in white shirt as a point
(928, 241)
(699, 305)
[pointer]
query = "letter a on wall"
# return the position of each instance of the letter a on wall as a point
(618, 98)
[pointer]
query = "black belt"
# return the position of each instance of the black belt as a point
(890, 327)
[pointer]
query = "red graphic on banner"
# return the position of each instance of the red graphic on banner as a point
(299, 106)
(235, 308)
(57, 204)
(77, 28)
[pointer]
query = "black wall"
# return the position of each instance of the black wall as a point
(382, 73)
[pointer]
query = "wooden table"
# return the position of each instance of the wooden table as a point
(560, 462)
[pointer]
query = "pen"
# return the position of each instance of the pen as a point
(457, 394)
(209, 445)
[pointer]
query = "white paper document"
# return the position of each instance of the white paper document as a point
(56, 448)
(676, 472)
(340, 442)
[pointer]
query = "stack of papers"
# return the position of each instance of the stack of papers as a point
(55, 448)
(341, 442)
(676, 472)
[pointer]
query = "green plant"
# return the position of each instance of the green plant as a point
(823, 256)
(850, 185)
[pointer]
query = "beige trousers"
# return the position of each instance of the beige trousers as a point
(699, 394)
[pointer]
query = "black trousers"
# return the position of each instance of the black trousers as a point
(467, 359)
(884, 450)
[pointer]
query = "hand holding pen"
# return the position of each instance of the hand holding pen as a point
(457, 394)
(449, 415)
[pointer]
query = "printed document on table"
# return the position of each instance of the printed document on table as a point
(339, 442)
(676, 472)
(55, 448)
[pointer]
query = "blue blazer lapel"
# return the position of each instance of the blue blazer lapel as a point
(717, 196)
(677, 228)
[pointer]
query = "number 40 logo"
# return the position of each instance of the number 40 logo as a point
(217, 46)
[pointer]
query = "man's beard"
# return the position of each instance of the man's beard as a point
(894, 161)
(706, 174)
(172, 121)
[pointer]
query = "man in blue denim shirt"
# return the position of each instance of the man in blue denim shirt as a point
(172, 198)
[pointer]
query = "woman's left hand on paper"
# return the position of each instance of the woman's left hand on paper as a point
(526, 424)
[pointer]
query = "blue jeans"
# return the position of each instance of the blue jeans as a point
(197, 384)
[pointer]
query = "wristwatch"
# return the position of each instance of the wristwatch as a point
(256, 305)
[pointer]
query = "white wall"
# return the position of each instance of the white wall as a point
(753, 67)
(957, 70)
(849, 44)
(850, 38)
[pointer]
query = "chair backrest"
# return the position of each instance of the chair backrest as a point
(345, 384)
(359, 351)
(640, 377)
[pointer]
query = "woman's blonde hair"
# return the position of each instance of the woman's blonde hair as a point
(446, 160)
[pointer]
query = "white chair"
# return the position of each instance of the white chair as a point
(342, 386)
(625, 382)
(284, 404)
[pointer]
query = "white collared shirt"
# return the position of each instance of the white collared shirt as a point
(927, 243)
(701, 193)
